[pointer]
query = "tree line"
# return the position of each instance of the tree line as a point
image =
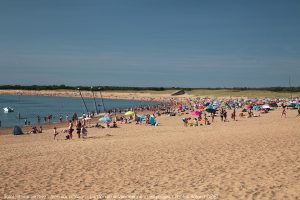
(119, 88)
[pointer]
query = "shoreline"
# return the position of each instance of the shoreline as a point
(126, 95)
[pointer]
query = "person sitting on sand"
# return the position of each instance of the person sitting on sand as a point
(55, 133)
(34, 130)
(99, 126)
(41, 129)
(185, 121)
(114, 125)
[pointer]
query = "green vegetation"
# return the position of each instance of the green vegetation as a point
(242, 91)
(118, 88)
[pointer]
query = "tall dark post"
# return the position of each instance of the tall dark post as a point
(101, 99)
(290, 86)
(87, 112)
(94, 100)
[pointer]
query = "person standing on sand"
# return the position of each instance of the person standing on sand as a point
(225, 115)
(222, 114)
(84, 132)
(297, 115)
(78, 128)
(70, 129)
(233, 115)
(55, 133)
(39, 119)
(284, 110)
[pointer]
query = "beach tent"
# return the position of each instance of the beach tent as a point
(152, 120)
(17, 130)
(139, 118)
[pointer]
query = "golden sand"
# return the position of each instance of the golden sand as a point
(252, 158)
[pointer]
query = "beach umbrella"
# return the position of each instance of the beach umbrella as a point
(195, 113)
(201, 107)
(266, 106)
(216, 106)
(207, 104)
(210, 110)
(208, 107)
(179, 107)
(104, 119)
(129, 113)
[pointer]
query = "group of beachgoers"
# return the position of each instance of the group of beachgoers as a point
(76, 124)
(203, 109)
(200, 111)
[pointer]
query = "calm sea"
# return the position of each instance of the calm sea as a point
(30, 107)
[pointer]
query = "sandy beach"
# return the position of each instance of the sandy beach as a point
(88, 94)
(255, 158)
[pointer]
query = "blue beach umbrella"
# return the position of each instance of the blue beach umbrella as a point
(104, 119)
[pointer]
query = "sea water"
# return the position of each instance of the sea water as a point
(29, 107)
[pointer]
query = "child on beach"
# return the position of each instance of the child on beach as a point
(196, 122)
(55, 133)
(84, 132)
(185, 121)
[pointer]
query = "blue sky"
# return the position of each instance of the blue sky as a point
(187, 43)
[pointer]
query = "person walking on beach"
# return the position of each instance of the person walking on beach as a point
(225, 115)
(39, 119)
(222, 114)
(206, 122)
(70, 129)
(78, 128)
(233, 115)
(283, 110)
(297, 115)
(55, 133)
(84, 132)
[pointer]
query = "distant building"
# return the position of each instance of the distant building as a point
(178, 92)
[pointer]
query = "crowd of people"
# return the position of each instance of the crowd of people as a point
(200, 111)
